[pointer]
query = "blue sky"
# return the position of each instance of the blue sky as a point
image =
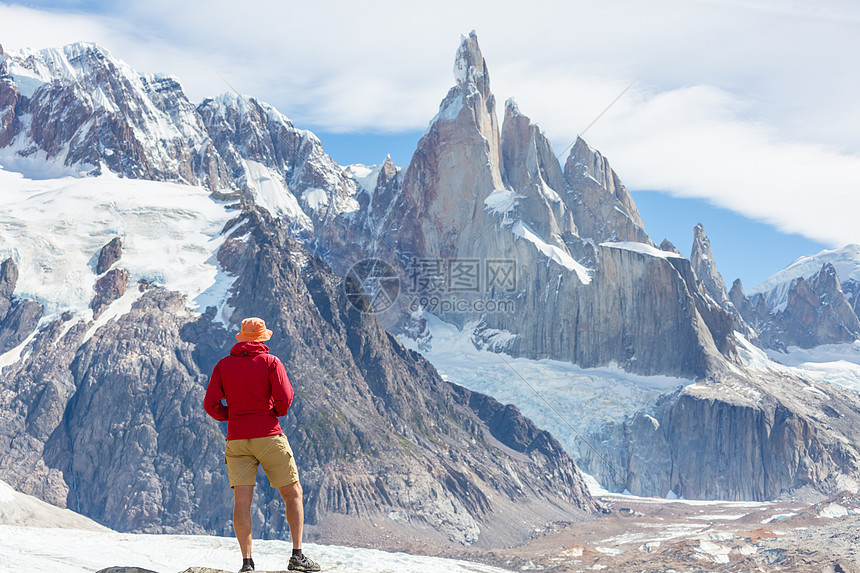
(743, 248)
(741, 125)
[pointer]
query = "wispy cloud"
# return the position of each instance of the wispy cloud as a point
(752, 105)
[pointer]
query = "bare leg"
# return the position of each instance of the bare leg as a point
(243, 495)
(292, 495)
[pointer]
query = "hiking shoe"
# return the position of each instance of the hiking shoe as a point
(302, 564)
(247, 565)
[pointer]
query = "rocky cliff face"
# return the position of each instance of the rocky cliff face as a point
(764, 436)
(533, 172)
(602, 206)
(108, 420)
(851, 289)
(18, 317)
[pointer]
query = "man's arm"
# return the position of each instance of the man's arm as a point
(214, 394)
(282, 390)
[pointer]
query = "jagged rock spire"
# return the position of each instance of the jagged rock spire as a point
(456, 165)
(702, 258)
(603, 208)
(470, 68)
(530, 167)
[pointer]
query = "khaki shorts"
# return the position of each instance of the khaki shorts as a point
(272, 452)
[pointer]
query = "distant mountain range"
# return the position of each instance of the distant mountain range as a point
(146, 227)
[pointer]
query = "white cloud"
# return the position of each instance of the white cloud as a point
(690, 143)
(749, 104)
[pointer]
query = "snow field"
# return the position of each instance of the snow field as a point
(643, 249)
(40, 538)
(552, 252)
(54, 229)
(582, 399)
(271, 192)
(38, 550)
(501, 201)
(837, 364)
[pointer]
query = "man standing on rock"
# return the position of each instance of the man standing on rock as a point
(257, 391)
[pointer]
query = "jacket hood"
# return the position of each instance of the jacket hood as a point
(249, 348)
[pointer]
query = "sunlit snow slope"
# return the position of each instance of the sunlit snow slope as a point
(60, 541)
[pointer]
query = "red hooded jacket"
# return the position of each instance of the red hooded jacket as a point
(256, 388)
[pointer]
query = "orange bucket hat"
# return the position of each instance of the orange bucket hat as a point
(254, 329)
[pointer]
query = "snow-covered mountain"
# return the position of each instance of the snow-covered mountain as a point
(845, 261)
(812, 302)
(492, 195)
(78, 109)
(81, 108)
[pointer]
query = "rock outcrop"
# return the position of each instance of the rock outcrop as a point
(8, 279)
(818, 312)
(741, 302)
(667, 246)
(602, 206)
(109, 288)
(110, 254)
(18, 317)
(712, 287)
